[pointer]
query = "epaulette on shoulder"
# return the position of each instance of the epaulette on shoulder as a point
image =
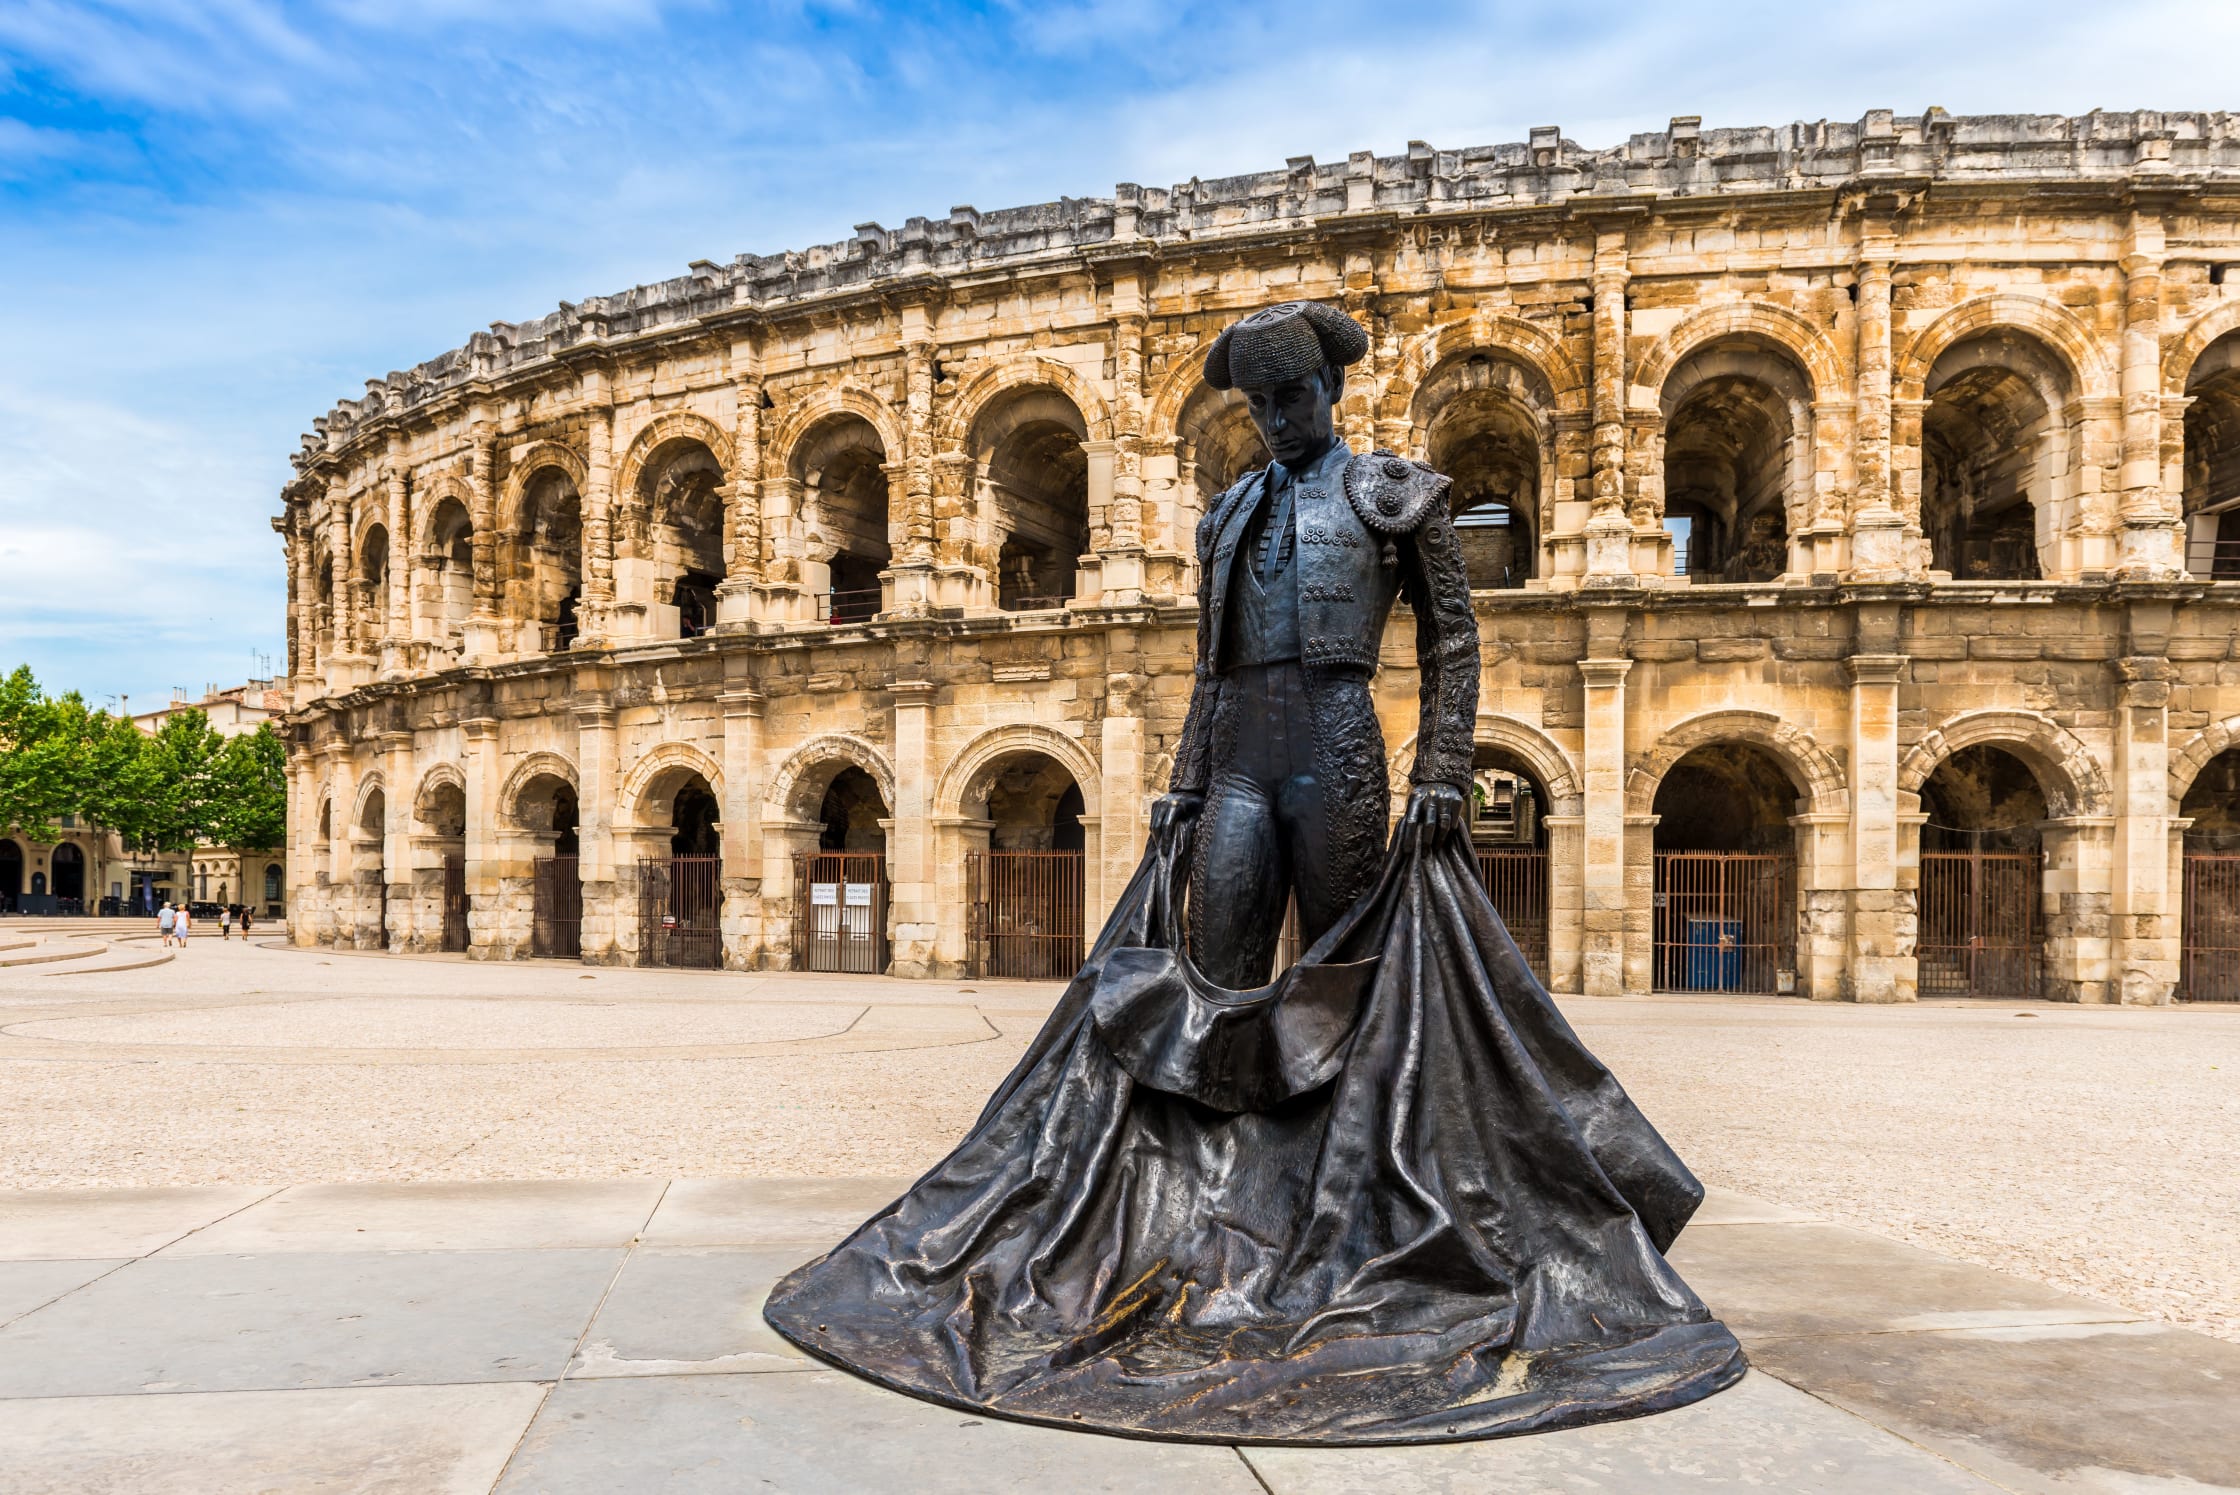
(1392, 494)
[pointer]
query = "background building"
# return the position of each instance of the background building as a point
(1852, 504)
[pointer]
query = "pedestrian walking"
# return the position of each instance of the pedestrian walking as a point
(182, 924)
(165, 922)
(246, 921)
(225, 922)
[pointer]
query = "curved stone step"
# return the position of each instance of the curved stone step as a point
(118, 960)
(46, 953)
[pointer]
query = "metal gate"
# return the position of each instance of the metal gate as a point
(1025, 914)
(2210, 969)
(840, 912)
(556, 928)
(1516, 884)
(1724, 921)
(455, 904)
(1979, 924)
(680, 912)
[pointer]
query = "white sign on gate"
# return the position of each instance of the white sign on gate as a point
(824, 894)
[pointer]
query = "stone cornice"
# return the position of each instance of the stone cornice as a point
(2140, 156)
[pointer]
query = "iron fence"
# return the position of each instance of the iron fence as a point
(2209, 966)
(556, 926)
(1978, 924)
(1025, 914)
(840, 912)
(680, 911)
(455, 904)
(1724, 921)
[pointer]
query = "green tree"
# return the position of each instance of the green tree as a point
(182, 792)
(33, 780)
(252, 778)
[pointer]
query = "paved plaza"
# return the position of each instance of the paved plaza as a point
(296, 1220)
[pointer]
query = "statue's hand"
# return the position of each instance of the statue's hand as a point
(1169, 811)
(1434, 814)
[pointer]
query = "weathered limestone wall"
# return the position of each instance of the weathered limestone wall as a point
(921, 504)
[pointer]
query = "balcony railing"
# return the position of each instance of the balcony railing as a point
(2214, 560)
(849, 607)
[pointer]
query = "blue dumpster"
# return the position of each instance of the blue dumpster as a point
(1714, 959)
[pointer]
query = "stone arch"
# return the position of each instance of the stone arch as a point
(441, 776)
(2062, 332)
(544, 454)
(536, 766)
(653, 780)
(1824, 366)
(2186, 349)
(427, 498)
(1513, 339)
(796, 790)
(973, 763)
(1819, 778)
(1185, 376)
(670, 426)
(1541, 753)
(2203, 747)
(2072, 779)
(803, 416)
(998, 379)
(373, 783)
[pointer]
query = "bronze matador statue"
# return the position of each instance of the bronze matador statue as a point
(1281, 758)
(1386, 1197)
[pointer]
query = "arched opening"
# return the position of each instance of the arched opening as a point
(841, 467)
(447, 565)
(545, 811)
(1220, 445)
(1025, 913)
(675, 526)
(373, 565)
(11, 876)
(2210, 953)
(1486, 431)
(680, 886)
(275, 891)
(69, 878)
(1982, 876)
(1724, 910)
(440, 892)
(1738, 431)
(1994, 457)
(1509, 835)
(840, 889)
(547, 569)
(1035, 487)
(324, 621)
(369, 872)
(2212, 462)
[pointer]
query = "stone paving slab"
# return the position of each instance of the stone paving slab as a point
(391, 1440)
(822, 1431)
(2051, 1408)
(79, 1224)
(687, 1310)
(514, 1215)
(268, 1350)
(283, 1321)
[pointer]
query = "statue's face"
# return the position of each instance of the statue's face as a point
(1297, 419)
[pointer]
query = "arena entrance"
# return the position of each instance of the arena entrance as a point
(11, 876)
(1025, 891)
(680, 896)
(2209, 956)
(454, 903)
(1509, 838)
(556, 885)
(840, 889)
(1982, 868)
(1724, 905)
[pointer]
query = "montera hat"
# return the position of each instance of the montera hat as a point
(1283, 343)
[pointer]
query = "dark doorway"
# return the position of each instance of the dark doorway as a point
(455, 904)
(1724, 901)
(2210, 952)
(69, 877)
(680, 898)
(1981, 874)
(11, 876)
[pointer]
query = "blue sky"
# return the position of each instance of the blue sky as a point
(218, 216)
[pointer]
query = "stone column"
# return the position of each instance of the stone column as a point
(915, 566)
(1882, 969)
(2078, 857)
(480, 770)
(1123, 795)
(303, 844)
(339, 854)
(1566, 910)
(2144, 903)
(604, 891)
(483, 626)
(598, 512)
(398, 624)
(1609, 533)
(743, 505)
(742, 826)
(1089, 571)
(1123, 567)
(912, 915)
(1879, 548)
(396, 848)
(1602, 841)
(2151, 541)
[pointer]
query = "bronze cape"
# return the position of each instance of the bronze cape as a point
(1389, 1199)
